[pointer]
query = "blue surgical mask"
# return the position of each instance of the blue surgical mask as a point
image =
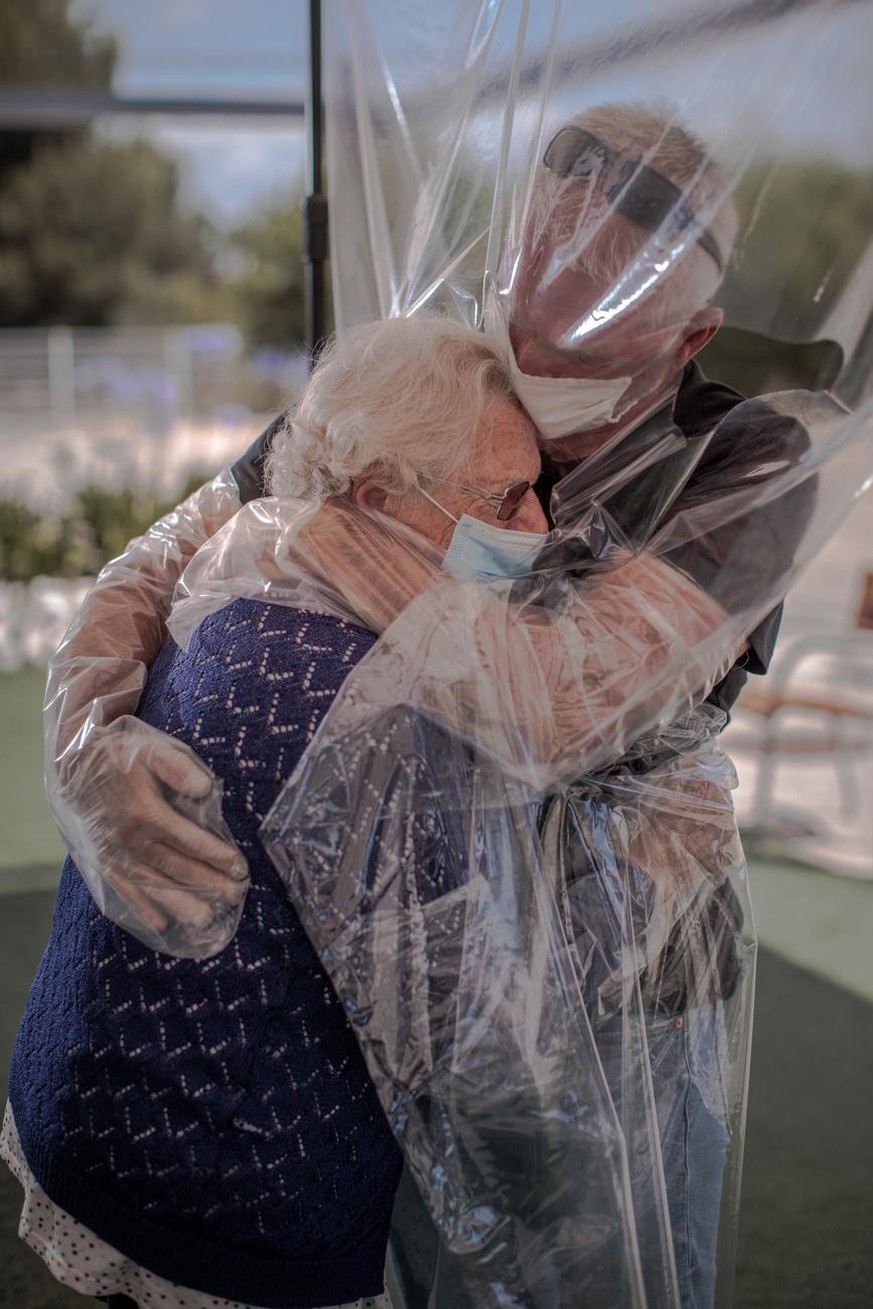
(482, 551)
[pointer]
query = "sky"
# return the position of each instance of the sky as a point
(224, 48)
(804, 80)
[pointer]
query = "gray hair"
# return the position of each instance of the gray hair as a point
(400, 399)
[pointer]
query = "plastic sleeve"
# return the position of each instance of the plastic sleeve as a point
(106, 773)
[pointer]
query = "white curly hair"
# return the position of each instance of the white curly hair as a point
(400, 400)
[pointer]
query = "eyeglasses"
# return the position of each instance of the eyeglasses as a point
(637, 191)
(507, 501)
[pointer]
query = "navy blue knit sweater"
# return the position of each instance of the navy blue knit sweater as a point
(214, 1120)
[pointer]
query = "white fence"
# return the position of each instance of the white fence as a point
(131, 406)
(64, 375)
(34, 617)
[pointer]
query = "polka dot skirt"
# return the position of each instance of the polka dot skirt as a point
(79, 1259)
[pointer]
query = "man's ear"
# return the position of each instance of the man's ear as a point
(701, 329)
(367, 492)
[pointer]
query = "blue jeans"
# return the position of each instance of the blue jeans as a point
(682, 1054)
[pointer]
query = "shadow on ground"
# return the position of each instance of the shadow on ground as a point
(808, 1193)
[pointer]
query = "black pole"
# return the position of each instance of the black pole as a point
(315, 205)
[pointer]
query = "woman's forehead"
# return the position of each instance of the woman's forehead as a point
(506, 446)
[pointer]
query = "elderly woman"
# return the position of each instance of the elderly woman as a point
(193, 1132)
(186, 1130)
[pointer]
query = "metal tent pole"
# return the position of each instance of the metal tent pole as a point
(315, 205)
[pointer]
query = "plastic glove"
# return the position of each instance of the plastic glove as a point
(149, 839)
(140, 813)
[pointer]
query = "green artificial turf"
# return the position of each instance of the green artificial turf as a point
(807, 1201)
(818, 920)
(807, 1204)
(807, 1190)
(31, 851)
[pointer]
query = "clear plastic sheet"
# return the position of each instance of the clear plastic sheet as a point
(176, 883)
(512, 841)
(645, 622)
(453, 189)
(520, 984)
(521, 782)
(558, 671)
(513, 845)
(439, 120)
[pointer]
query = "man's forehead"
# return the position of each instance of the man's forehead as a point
(584, 236)
(564, 201)
(599, 187)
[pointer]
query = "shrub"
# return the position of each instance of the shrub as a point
(96, 529)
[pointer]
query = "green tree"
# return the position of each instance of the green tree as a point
(268, 292)
(43, 48)
(805, 225)
(41, 45)
(91, 234)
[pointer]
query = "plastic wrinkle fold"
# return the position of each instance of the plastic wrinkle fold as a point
(468, 868)
(483, 956)
(512, 840)
(521, 781)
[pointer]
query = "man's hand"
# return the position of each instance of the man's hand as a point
(142, 816)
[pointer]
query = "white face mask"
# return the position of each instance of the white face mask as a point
(563, 405)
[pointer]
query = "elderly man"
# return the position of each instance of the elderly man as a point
(628, 235)
(624, 414)
(630, 229)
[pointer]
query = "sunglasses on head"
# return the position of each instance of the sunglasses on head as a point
(636, 191)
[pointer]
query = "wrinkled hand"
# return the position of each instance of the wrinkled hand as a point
(142, 817)
(685, 835)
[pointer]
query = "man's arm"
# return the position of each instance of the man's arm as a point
(616, 650)
(547, 687)
(752, 446)
(140, 812)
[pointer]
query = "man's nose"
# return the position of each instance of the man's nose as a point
(527, 356)
(536, 361)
